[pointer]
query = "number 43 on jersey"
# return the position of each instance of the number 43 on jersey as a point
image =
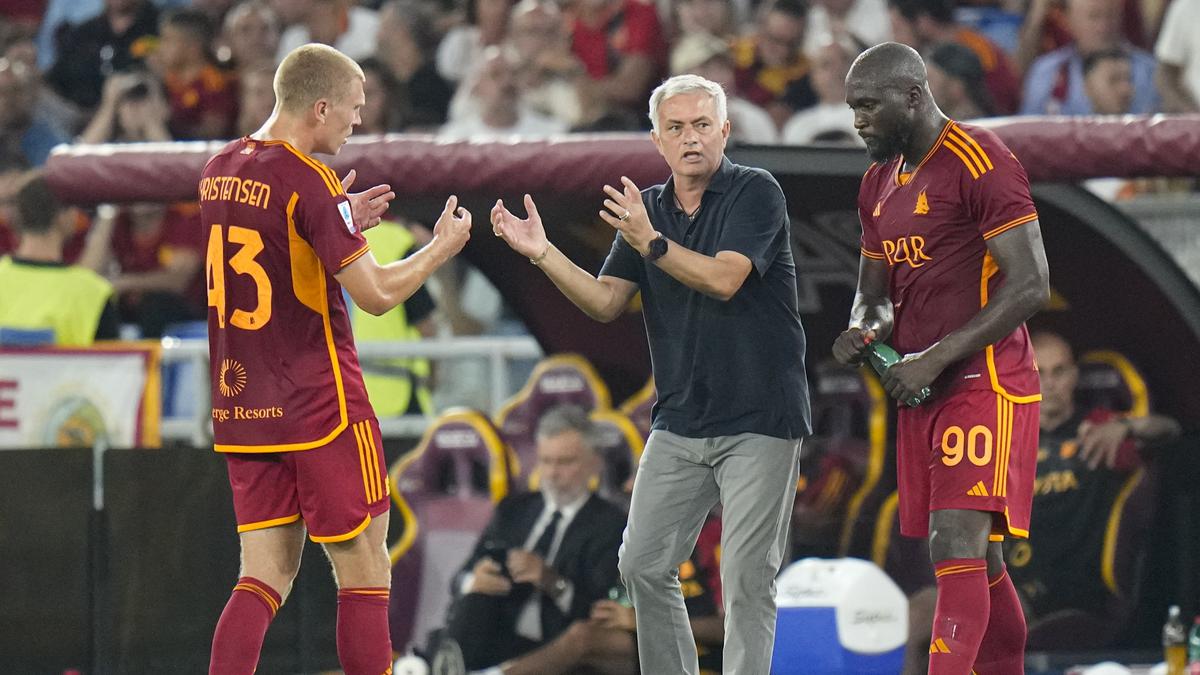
(242, 262)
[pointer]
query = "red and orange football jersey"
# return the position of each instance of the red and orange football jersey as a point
(278, 226)
(931, 226)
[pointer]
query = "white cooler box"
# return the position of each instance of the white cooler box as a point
(838, 617)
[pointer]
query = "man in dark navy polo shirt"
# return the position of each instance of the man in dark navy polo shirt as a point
(711, 255)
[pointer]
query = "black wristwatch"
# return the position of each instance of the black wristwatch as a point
(657, 248)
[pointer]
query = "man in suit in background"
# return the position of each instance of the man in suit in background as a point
(545, 557)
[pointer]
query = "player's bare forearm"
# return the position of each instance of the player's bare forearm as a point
(1019, 254)
(872, 308)
(719, 277)
(601, 299)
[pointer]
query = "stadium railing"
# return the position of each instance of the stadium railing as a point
(193, 424)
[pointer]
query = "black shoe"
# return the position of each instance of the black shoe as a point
(448, 659)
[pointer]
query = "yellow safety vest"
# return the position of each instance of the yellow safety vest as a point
(390, 382)
(68, 299)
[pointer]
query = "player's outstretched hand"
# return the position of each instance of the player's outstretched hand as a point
(367, 207)
(526, 236)
(453, 227)
(850, 346)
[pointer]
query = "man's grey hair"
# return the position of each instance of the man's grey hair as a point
(687, 84)
(563, 418)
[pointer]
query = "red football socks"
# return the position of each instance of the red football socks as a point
(239, 635)
(961, 616)
(1002, 651)
(363, 644)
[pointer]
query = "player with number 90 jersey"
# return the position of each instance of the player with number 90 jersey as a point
(285, 374)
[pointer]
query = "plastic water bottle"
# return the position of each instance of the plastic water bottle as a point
(619, 595)
(881, 357)
(1193, 649)
(1174, 640)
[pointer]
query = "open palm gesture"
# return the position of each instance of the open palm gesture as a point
(525, 235)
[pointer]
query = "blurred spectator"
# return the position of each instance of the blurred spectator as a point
(381, 112)
(290, 12)
(133, 109)
(396, 386)
(407, 54)
(956, 81)
(492, 103)
(1054, 85)
(256, 98)
(921, 24)
(115, 41)
(1108, 81)
(772, 70)
(1047, 27)
(203, 98)
(60, 15)
(549, 74)
(857, 24)
(42, 292)
(830, 114)
(709, 57)
(622, 47)
(342, 24)
(32, 121)
(215, 10)
(153, 253)
(486, 25)
(1084, 459)
(711, 17)
(250, 36)
(1178, 52)
(545, 558)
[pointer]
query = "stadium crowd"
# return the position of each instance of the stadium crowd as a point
(101, 71)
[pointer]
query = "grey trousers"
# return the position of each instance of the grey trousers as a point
(678, 481)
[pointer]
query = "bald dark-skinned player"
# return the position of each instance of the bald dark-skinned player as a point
(951, 266)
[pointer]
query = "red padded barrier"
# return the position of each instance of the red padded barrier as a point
(1052, 149)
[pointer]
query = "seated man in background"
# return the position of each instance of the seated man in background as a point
(544, 559)
(606, 642)
(40, 290)
(1084, 459)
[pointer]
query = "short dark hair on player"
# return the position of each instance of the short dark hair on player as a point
(36, 206)
(941, 11)
(1096, 58)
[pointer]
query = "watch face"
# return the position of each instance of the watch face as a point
(658, 248)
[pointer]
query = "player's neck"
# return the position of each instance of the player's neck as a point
(39, 247)
(925, 135)
(284, 128)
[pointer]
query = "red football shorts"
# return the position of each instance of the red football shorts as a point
(973, 450)
(335, 489)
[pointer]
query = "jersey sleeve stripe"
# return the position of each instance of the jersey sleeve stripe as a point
(871, 254)
(353, 256)
(958, 141)
(967, 162)
(1010, 225)
(975, 144)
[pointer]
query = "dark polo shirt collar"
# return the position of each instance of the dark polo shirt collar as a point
(719, 184)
